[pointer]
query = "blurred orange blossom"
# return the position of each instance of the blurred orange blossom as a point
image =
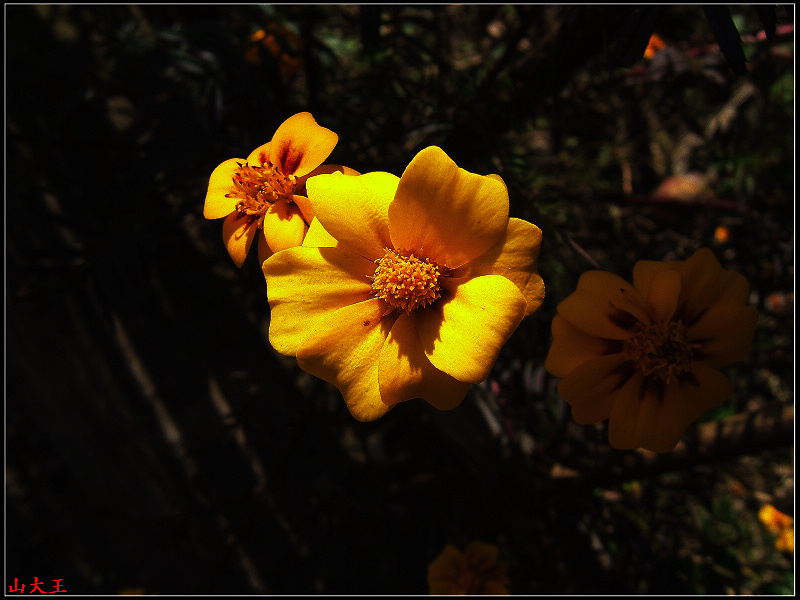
(476, 571)
(647, 356)
(264, 195)
(404, 287)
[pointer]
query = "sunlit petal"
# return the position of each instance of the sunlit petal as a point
(317, 237)
(450, 215)
(300, 198)
(300, 145)
(515, 257)
(343, 347)
(354, 209)
(284, 226)
(462, 334)
(238, 233)
(305, 284)
(405, 372)
(217, 204)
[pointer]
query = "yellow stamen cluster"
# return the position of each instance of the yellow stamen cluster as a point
(406, 282)
(661, 350)
(257, 187)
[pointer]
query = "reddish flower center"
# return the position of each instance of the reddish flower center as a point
(661, 350)
(258, 187)
(406, 281)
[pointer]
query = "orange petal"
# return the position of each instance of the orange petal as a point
(306, 284)
(238, 233)
(217, 204)
(284, 226)
(726, 332)
(343, 348)
(590, 388)
(705, 282)
(663, 294)
(643, 418)
(405, 372)
(449, 214)
(605, 305)
(354, 209)
(300, 145)
(462, 333)
(572, 346)
(515, 257)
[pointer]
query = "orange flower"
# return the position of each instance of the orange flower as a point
(647, 356)
(779, 524)
(654, 45)
(476, 571)
(264, 195)
(404, 287)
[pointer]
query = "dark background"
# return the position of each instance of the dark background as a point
(156, 444)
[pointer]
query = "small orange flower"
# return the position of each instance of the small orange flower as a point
(654, 45)
(476, 571)
(265, 194)
(779, 524)
(647, 356)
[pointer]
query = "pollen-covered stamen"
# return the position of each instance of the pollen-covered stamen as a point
(406, 281)
(661, 350)
(258, 187)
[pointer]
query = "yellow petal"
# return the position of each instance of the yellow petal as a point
(590, 388)
(663, 294)
(300, 145)
(645, 270)
(405, 372)
(462, 332)
(305, 284)
(238, 233)
(301, 198)
(317, 237)
(217, 204)
(449, 214)
(354, 209)
(572, 346)
(284, 226)
(343, 348)
(726, 333)
(604, 305)
(515, 257)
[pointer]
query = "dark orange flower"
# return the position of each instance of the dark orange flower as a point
(476, 571)
(647, 356)
(264, 195)
(654, 45)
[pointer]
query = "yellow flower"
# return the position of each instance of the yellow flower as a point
(476, 571)
(404, 287)
(646, 356)
(264, 195)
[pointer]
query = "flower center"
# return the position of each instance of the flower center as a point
(661, 350)
(258, 187)
(406, 282)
